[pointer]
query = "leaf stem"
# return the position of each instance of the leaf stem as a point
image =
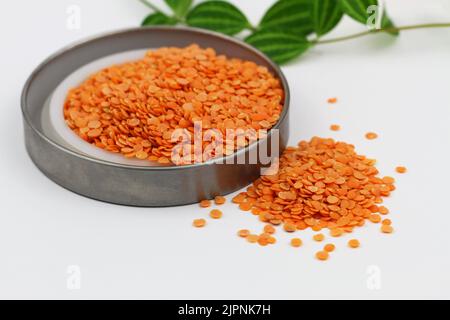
(251, 27)
(150, 5)
(390, 29)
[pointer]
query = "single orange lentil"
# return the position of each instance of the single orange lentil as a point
(239, 198)
(296, 242)
(332, 100)
(245, 206)
(332, 199)
(215, 214)
(387, 222)
(322, 255)
(375, 218)
(400, 169)
(94, 133)
(244, 233)
(329, 247)
(263, 241)
(353, 243)
(289, 227)
(94, 124)
(219, 200)
(141, 155)
(319, 237)
(336, 232)
(387, 228)
(205, 203)
(199, 223)
(252, 238)
(335, 127)
(371, 135)
(388, 180)
(383, 210)
(269, 229)
(272, 240)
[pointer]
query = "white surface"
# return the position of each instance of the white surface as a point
(397, 88)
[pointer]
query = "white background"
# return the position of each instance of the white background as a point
(398, 88)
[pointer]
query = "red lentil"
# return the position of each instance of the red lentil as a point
(319, 237)
(199, 223)
(296, 242)
(401, 169)
(205, 203)
(215, 214)
(335, 127)
(219, 200)
(385, 228)
(371, 135)
(322, 255)
(353, 243)
(332, 100)
(244, 233)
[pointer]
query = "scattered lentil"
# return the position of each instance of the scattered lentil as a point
(335, 127)
(263, 241)
(353, 243)
(215, 214)
(329, 247)
(272, 240)
(219, 200)
(322, 255)
(332, 100)
(319, 237)
(296, 242)
(205, 203)
(375, 218)
(244, 233)
(371, 135)
(383, 210)
(336, 232)
(269, 229)
(252, 238)
(385, 228)
(199, 223)
(401, 169)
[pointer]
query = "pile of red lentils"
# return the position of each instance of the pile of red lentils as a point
(133, 108)
(321, 184)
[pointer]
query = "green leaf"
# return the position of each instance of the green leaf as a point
(158, 18)
(279, 46)
(292, 16)
(360, 10)
(326, 15)
(179, 7)
(218, 16)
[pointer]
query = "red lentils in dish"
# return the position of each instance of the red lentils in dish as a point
(133, 108)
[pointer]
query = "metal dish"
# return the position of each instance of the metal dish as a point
(130, 184)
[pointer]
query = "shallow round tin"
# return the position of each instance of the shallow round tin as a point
(130, 184)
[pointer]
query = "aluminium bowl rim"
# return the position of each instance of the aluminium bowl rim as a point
(123, 31)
